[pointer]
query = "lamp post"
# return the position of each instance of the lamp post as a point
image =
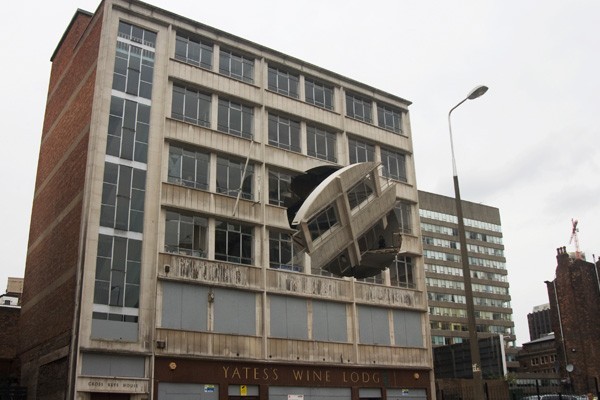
(478, 392)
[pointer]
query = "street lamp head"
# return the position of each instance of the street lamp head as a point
(477, 92)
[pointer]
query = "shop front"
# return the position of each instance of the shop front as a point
(180, 378)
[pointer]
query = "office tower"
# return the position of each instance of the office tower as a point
(444, 274)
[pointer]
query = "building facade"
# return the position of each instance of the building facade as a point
(539, 322)
(574, 297)
(161, 262)
(444, 274)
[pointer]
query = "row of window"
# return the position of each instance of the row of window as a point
(434, 282)
(449, 326)
(199, 52)
(449, 298)
(446, 230)
(456, 245)
(443, 269)
(489, 289)
(439, 255)
(495, 316)
(460, 299)
(440, 242)
(439, 216)
(490, 251)
(191, 168)
(231, 311)
(482, 262)
(234, 118)
(188, 235)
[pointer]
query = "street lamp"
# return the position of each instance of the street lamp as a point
(478, 392)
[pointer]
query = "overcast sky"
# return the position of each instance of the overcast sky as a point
(529, 146)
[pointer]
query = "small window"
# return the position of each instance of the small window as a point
(360, 151)
(186, 234)
(284, 133)
(394, 165)
(389, 118)
(322, 222)
(193, 51)
(235, 118)
(233, 242)
(191, 105)
(358, 108)
(234, 177)
(281, 252)
(320, 143)
(318, 94)
(279, 187)
(188, 167)
(283, 82)
(236, 66)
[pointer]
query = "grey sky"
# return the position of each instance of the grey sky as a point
(529, 146)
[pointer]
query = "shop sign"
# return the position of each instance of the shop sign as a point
(112, 385)
(295, 397)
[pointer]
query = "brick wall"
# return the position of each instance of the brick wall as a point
(49, 290)
(9, 320)
(578, 329)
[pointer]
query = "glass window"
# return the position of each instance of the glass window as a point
(283, 82)
(133, 71)
(394, 165)
(279, 187)
(320, 143)
(360, 151)
(284, 133)
(322, 222)
(389, 118)
(358, 108)
(193, 51)
(401, 272)
(118, 265)
(232, 178)
(136, 34)
(360, 192)
(236, 66)
(236, 119)
(128, 129)
(185, 234)
(190, 105)
(403, 212)
(188, 167)
(318, 94)
(281, 252)
(233, 242)
(123, 192)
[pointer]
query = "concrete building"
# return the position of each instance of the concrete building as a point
(161, 262)
(539, 322)
(443, 270)
(574, 296)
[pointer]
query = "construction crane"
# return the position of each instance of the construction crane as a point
(575, 239)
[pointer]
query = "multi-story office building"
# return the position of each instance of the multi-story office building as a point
(539, 322)
(161, 262)
(444, 274)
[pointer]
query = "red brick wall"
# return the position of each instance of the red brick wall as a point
(49, 289)
(9, 320)
(579, 304)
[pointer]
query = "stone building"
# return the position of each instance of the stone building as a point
(161, 261)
